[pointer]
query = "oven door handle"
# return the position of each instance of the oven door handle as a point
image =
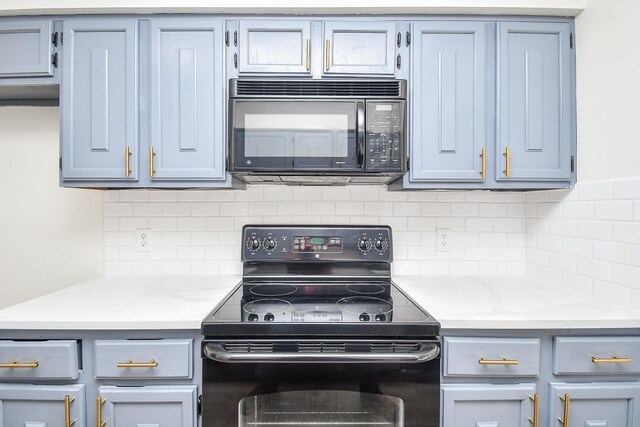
(360, 134)
(216, 351)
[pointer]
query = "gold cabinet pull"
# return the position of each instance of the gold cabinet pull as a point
(131, 364)
(507, 155)
(127, 155)
(483, 156)
(152, 170)
(68, 422)
(613, 359)
(536, 409)
(567, 401)
(15, 365)
(327, 54)
(503, 361)
(99, 402)
(308, 55)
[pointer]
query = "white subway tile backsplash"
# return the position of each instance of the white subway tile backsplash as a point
(293, 208)
(435, 209)
(464, 209)
(492, 210)
(350, 208)
(636, 210)
(596, 190)
(162, 196)
(132, 224)
(134, 196)
(595, 269)
(597, 230)
(192, 196)
(191, 224)
(563, 227)
(406, 208)
(626, 189)
(577, 210)
(205, 209)
(421, 224)
(506, 197)
(614, 210)
(577, 246)
(626, 275)
(626, 232)
(147, 209)
(176, 209)
(612, 251)
(450, 196)
(163, 224)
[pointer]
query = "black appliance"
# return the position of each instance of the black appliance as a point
(317, 131)
(318, 334)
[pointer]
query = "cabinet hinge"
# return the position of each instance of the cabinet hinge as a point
(573, 164)
(399, 40)
(226, 38)
(235, 39)
(226, 164)
(235, 61)
(54, 39)
(399, 61)
(199, 405)
(570, 40)
(60, 163)
(408, 163)
(54, 59)
(61, 38)
(408, 38)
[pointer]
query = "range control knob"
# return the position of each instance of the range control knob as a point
(269, 244)
(381, 244)
(364, 317)
(253, 243)
(269, 317)
(253, 317)
(364, 244)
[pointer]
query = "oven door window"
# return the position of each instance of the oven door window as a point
(294, 135)
(321, 408)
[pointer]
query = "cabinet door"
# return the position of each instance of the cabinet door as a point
(275, 47)
(596, 404)
(359, 47)
(486, 405)
(41, 405)
(171, 406)
(534, 101)
(99, 100)
(187, 100)
(448, 102)
(26, 48)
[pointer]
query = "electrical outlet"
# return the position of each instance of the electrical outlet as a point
(443, 240)
(143, 240)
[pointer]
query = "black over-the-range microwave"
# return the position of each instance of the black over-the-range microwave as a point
(317, 131)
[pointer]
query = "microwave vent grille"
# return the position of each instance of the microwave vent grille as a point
(319, 88)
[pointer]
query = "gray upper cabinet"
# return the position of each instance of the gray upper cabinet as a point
(41, 405)
(99, 100)
(26, 48)
(187, 100)
(359, 47)
(448, 87)
(275, 46)
(534, 102)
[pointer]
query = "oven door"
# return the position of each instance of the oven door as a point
(248, 383)
(302, 135)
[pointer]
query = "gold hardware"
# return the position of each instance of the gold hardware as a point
(327, 55)
(614, 359)
(127, 154)
(131, 364)
(68, 422)
(536, 409)
(567, 401)
(14, 364)
(99, 403)
(507, 155)
(308, 54)
(151, 155)
(483, 156)
(504, 361)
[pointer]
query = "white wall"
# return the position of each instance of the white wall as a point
(608, 90)
(50, 237)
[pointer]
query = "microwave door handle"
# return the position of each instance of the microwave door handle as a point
(360, 134)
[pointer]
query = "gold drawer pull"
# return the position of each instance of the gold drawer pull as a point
(504, 361)
(127, 167)
(507, 155)
(308, 58)
(327, 55)
(131, 364)
(14, 365)
(99, 403)
(483, 156)
(536, 409)
(614, 359)
(567, 401)
(68, 422)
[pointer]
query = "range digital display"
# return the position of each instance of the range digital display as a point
(312, 244)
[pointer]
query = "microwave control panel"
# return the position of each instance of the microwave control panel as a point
(385, 136)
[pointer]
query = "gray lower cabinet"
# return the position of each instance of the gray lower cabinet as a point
(447, 138)
(150, 406)
(535, 103)
(595, 404)
(187, 100)
(27, 48)
(98, 105)
(27, 405)
(487, 405)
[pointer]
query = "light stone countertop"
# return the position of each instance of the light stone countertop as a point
(173, 303)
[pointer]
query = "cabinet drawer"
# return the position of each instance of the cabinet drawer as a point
(596, 355)
(491, 357)
(38, 359)
(144, 359)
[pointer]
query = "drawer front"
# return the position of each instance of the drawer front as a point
(596, 355)
(491, 357)
(38, 360)
(144, 359)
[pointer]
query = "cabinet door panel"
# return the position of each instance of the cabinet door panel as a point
(596, 404)
(275, 47)
(359, 48)
(534, 111)
(448, 104)
(39, 405)
(486, 405)
(187, 99)
(26, 48)
(99, 100)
